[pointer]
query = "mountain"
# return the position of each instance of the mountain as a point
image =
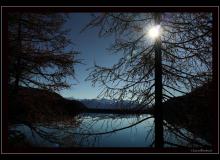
(108, 104)
(192, 111)
(34, 105)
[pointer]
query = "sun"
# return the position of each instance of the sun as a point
(154, 31)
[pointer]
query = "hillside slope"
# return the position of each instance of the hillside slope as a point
(192, 111)
(36, 105)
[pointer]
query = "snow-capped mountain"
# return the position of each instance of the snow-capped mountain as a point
(107, 104)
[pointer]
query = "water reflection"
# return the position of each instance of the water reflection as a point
(105, 130)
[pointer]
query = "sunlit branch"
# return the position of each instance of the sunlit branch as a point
(192, 39)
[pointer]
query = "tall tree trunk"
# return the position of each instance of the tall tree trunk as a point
(158, 89)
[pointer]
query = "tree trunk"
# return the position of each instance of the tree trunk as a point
(158, 90)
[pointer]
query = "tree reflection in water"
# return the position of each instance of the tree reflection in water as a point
(106, 130)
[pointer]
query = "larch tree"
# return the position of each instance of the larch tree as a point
(40, 53)
(185, 57)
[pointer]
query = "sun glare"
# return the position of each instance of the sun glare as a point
(154, 32)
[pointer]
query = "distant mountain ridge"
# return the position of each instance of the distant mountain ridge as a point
(107, 104)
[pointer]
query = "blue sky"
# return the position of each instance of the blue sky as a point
(92, 48)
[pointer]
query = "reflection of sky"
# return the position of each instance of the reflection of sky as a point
(139, 135)
(92, 49)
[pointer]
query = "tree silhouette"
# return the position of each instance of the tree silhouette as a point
(152, 71)
(39, 50)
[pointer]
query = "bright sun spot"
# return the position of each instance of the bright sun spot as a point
(154, 31)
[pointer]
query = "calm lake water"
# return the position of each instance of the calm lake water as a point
(88, 130)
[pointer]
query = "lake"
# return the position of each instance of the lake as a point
(105, 130)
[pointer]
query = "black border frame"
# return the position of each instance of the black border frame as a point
(5, 10)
